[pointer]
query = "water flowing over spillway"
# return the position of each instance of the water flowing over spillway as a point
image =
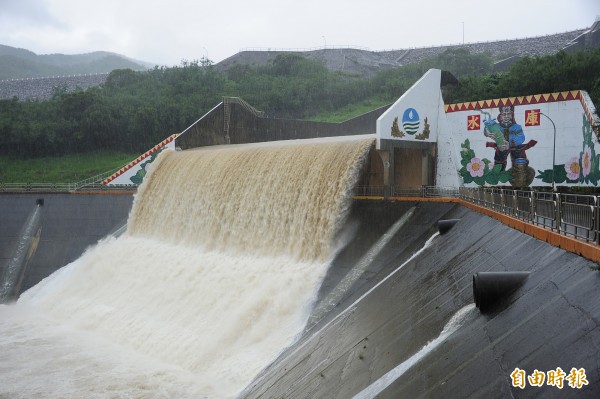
(225, 250)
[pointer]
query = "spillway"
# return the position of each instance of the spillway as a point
(224, 254)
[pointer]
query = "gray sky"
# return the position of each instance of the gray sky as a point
(165, 32)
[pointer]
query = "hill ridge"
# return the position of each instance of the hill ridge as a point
(367, 62)
(18, 63)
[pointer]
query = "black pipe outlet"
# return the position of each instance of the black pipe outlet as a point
(489, 288)
(445, 225)
(39, 201)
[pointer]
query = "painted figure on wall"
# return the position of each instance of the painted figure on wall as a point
(509, 139)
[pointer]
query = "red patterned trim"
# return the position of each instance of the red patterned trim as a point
(521, 100)
(140, 159)
(528, 100)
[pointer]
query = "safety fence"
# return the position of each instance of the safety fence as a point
(571, 215)
(397, 191)
(93, 183)
(567, 214)
(61, 187)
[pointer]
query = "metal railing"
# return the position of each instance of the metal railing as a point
(369, 191)
(424, 191)
(572, 215)
(244, 104)
(93, 183)
(397, 191)
(62, 187)
(567, 214)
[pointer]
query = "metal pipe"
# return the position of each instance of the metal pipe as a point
(491, 288)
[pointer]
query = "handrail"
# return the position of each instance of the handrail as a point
(62, 187)
(243, 103)
(98, 178)
(91, 183)
(54, 77)
(572, 215)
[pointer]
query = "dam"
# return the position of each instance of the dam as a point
(267, 270)
(128, 318)
(201, 298)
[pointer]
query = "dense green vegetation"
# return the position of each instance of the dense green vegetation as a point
(133, 111)
(535, 75)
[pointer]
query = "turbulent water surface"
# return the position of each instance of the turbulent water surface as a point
(225, 250)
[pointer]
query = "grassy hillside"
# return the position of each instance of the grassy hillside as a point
(65, 169)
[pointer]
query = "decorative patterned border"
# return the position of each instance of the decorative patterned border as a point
(590, 112)
(140, 158)
(520, 100)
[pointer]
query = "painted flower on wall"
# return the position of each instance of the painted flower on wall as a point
(476, 167)
(480, 171)
(586, 161)
(579, 169)
(573, 169)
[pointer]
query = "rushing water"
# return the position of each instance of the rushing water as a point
(225, 250)
(456, 321)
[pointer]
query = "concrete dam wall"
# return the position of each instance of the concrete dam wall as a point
(70, 224)
(385, 333)
(378, 338)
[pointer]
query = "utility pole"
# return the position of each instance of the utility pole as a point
(553, 151)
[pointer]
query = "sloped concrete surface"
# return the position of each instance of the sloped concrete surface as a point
(70, 224)
(397, 306)
(550, 322)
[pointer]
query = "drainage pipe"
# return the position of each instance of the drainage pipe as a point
(489, 288)
(445, 225)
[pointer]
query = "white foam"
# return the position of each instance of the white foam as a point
(223, 257)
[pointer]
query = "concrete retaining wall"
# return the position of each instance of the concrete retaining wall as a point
(550, 322)
(389, 313)
(70, 224)
(246, 127)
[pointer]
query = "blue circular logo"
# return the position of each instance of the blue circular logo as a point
(410, 121)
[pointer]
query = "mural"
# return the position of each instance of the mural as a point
(537, 140)
(507, 139)
(521, 141)
(133, 173)
(141, 172)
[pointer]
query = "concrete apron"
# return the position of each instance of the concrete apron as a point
(383, 324)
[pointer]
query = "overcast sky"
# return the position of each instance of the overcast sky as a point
(165, 32)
